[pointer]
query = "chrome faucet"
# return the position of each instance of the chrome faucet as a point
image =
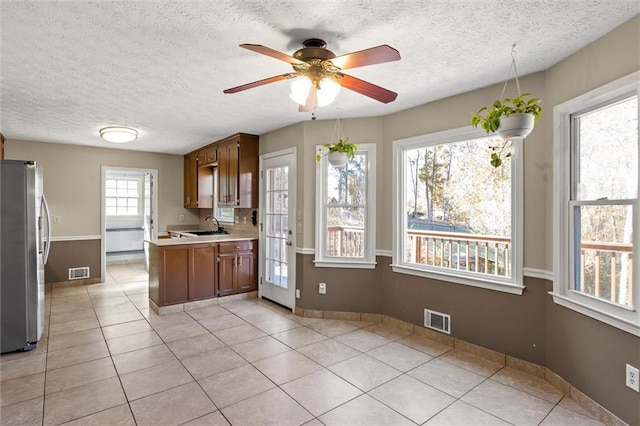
(211, 219)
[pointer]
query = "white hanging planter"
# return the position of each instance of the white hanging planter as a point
(338, 159)
(516, 126)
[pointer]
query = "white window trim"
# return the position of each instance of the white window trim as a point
(615, 315)
(369, 259)
(122, 218)
(513, 285)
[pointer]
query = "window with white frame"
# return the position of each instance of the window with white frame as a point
(456, 217)
(122, 197)
(345, 212)
(596, 204)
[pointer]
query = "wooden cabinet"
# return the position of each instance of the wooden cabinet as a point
(236, 158)
(198, 181)
(237, 267)
(208, 155)
(191, 180)
(182, 273)
(238, 171)
(188, 272)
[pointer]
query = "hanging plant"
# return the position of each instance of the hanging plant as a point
(510, 118)
(338, 153)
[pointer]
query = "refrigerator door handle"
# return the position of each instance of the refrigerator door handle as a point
(48, 242)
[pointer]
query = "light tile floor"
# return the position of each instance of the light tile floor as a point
(106, 359)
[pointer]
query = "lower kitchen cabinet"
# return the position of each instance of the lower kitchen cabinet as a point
(237, 267)
(182, 273)
(189, 272)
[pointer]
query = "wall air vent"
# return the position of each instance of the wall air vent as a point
(79, 273)
(437, 321)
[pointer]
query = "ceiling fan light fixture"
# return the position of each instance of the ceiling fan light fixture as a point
(300, 90)
(118, 134)
(328, 91)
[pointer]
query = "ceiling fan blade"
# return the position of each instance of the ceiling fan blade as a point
(258, 48)
(258, 83)
(312, 101)
(368, 89)
(374, 55)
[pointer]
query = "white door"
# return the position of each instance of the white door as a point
(277, 227)
(148, 216)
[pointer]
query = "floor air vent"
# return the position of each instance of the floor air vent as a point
(78, 273)
(437, 321)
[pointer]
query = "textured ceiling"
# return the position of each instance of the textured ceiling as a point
(71, 67)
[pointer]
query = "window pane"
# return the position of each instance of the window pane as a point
(604, 252)
(458, 208)
(608, 152)
(347, 184)
(345, 232)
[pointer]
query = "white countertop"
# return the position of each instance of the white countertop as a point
(220, 238)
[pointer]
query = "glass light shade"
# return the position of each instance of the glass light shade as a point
(329, 89)
(327, 93)
(300, 90)
(118, 134)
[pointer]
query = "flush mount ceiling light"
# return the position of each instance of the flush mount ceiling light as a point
(118, 134)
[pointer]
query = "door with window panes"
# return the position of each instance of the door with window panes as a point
(277, 253)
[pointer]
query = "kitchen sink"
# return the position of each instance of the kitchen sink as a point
(201, 233)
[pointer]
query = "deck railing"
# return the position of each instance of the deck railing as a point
(491, 255)
(347, 241)
(462, 251)
(603, 267)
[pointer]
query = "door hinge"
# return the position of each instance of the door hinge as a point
(260, 227)
(260, 280)
(261, 174)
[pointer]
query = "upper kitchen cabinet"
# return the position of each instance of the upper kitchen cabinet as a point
(208, 155)
(238, 171)
(191, 180)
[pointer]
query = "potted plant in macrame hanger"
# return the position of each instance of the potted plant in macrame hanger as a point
(509, 118)
(338, 153)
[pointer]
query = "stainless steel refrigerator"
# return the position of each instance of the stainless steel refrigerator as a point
(25, 234)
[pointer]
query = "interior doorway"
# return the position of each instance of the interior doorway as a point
(129, 214)
(277, 261)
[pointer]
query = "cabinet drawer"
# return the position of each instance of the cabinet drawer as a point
(235, 246)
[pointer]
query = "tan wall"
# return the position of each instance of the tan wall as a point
(72, 179)
(589, 354)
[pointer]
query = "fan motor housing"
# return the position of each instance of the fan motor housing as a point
(314, 48)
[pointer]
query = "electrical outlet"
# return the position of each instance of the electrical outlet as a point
(633, 378)
(57, 219)
(297, 293)
(181, 218)
(322, 288)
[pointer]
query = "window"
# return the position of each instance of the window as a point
(122, 197)
(596, 204)
(457, 218)
(345, 213)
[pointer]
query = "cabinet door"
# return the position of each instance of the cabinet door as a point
(174, 275)
(223, 175)
(208, 155)
(202, 273)
(233, 174)
(191, 181)
(226, 274)
(246, 268)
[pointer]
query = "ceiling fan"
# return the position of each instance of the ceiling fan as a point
(321, 74)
